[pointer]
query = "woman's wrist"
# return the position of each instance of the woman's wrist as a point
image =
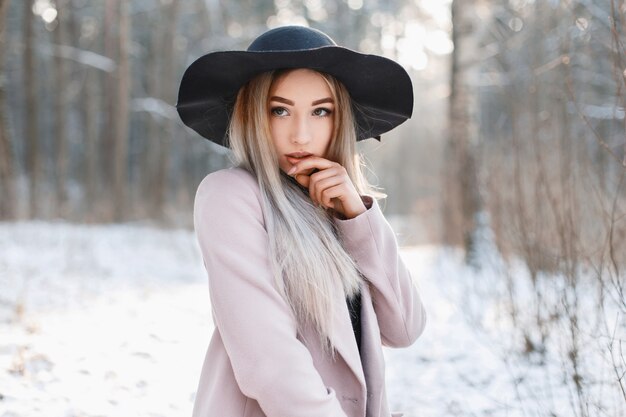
(350, 213)
(353, 212)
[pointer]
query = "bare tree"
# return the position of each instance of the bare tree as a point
(151, 178)
(461, 187)
(90, 105)
(8, 175)
(60, 114)
(168, 91)
(104, 207)
(31, 120)
(111, 200)
(120, 130)
(550, 96)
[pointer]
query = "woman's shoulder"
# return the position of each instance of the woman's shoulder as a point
(227, 201)
(228, 181)
(227, 191)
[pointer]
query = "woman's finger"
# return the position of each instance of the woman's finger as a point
(331, 198)
(310, 163)
(299, 170)
(318, 176)
(302, 179)
(319, 188)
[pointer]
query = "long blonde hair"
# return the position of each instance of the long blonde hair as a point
(309, 264)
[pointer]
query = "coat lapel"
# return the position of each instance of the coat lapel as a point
(344, 340)
(371, 352)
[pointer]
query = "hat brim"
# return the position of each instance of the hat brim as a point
(380, 88)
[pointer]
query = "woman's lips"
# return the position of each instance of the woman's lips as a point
(292, 160)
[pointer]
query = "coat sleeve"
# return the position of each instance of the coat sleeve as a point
(371, 242)
(256, 325)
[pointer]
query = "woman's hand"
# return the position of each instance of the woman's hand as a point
(330, 186)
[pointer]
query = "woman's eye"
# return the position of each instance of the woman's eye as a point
(279, 111)
(322, 112)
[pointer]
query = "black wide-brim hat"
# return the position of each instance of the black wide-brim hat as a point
(380, 89)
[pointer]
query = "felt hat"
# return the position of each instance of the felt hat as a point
(380, 89)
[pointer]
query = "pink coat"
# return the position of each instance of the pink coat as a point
(257, 364)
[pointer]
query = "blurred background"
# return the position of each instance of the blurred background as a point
(507, 186)
(90, 129)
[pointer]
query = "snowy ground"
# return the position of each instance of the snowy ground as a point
(115, 320)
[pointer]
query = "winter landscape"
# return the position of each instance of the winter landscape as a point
(114, 321)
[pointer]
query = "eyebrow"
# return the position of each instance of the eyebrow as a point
(322, 100)
(291, 103)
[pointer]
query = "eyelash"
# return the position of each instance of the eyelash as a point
(328, 112)
(273, 111)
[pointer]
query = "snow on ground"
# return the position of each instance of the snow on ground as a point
(115, 320)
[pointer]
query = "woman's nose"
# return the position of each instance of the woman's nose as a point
(301, 132)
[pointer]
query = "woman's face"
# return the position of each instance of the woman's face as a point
(301, 116)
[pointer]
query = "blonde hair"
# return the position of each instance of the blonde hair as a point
(309, 264)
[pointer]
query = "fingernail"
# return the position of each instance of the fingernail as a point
(292, 170)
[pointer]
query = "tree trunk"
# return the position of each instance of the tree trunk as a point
(31, 131)
(8, 180)
(105, 201)
(91, 144)
(60, 114)
(462, 194)
(150, 157)
(85, 106)
(90, 106)
(80, 78)
(120, 141)
(168, 96)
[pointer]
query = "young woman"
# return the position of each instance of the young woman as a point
(305, 279)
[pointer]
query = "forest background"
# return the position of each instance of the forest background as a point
(517, 142)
